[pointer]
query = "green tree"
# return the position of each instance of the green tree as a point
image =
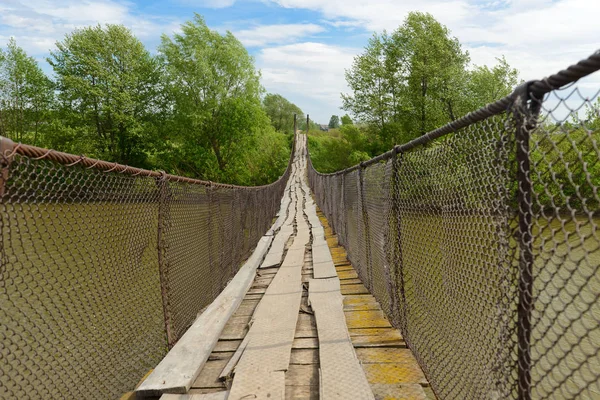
(281, 112)
(485, 85)
(25, 96)
(372, 98)
(436, 64)
(416, 79)
(108, 91)
(215, 93)
(346, 120)
(334, 122)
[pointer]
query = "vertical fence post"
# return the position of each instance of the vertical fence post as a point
(163, 268)
(525, 120)
(342, 218)
(6, 147)
(295, 124)
(365, 218)
(397, 281)
(307, 124)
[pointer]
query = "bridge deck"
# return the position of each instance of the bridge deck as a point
(390, 367)
(298, 337)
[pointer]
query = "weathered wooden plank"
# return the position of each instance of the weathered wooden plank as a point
(355, 303)
(354, 281)
(355, 289)
(260, 383)
(258, 290)
(393, 373)
(247, 307)
(304, 356)
(389, 333)
(305, 343)
(275, 254)
(272, 333)
(204, 390)
(385, 356)
(366, 319)
(377, 341)
(405, 391)
(348, 274)
(254, 296)
(235, 358)
(302, 392)
(324, 269)
(180, 367)
(341, 374)
(306, 327)
(227, 345)
(221, 395)
(209, 376)
(302, 375)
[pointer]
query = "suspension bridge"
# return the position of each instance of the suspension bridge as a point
(464, 264)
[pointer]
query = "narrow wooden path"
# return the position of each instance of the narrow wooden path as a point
(307, 328)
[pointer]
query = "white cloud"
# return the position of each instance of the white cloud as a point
(276, 34)
(38, 24)
(538, 37)
(309, 74)
(209, 3)
(377, 15)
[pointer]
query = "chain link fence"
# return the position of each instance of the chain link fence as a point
(103, 267)
(480, 240)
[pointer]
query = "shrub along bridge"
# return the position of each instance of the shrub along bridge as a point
(462, 265)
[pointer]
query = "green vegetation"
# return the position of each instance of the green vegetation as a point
(417, 78)
(281, 112)
(108, 85)
(405, 84)
(194, 109)
(334, 122)
(25, 96)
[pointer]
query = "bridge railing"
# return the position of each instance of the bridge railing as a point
(104, 266)
(480, 240)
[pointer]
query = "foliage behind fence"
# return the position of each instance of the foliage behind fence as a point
(103, 266)
(480, 241)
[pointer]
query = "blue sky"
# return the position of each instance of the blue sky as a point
(302, 47)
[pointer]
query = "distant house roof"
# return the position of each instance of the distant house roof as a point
(324, 127)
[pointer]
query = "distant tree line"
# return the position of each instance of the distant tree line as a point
(197, 108)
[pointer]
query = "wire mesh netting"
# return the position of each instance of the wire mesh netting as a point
(481, 244)
(101, 271)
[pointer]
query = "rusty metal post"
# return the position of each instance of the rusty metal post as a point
(525, 120)
(343, 218)
(397, 261)
(365, 217)
(6, 147)
(163, 265)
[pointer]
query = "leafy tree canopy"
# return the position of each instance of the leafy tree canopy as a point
(334, 122)
(416, 79)
(281, 112)
(108, 92)
(26, 95)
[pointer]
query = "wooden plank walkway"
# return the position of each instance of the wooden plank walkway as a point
(277, 345)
